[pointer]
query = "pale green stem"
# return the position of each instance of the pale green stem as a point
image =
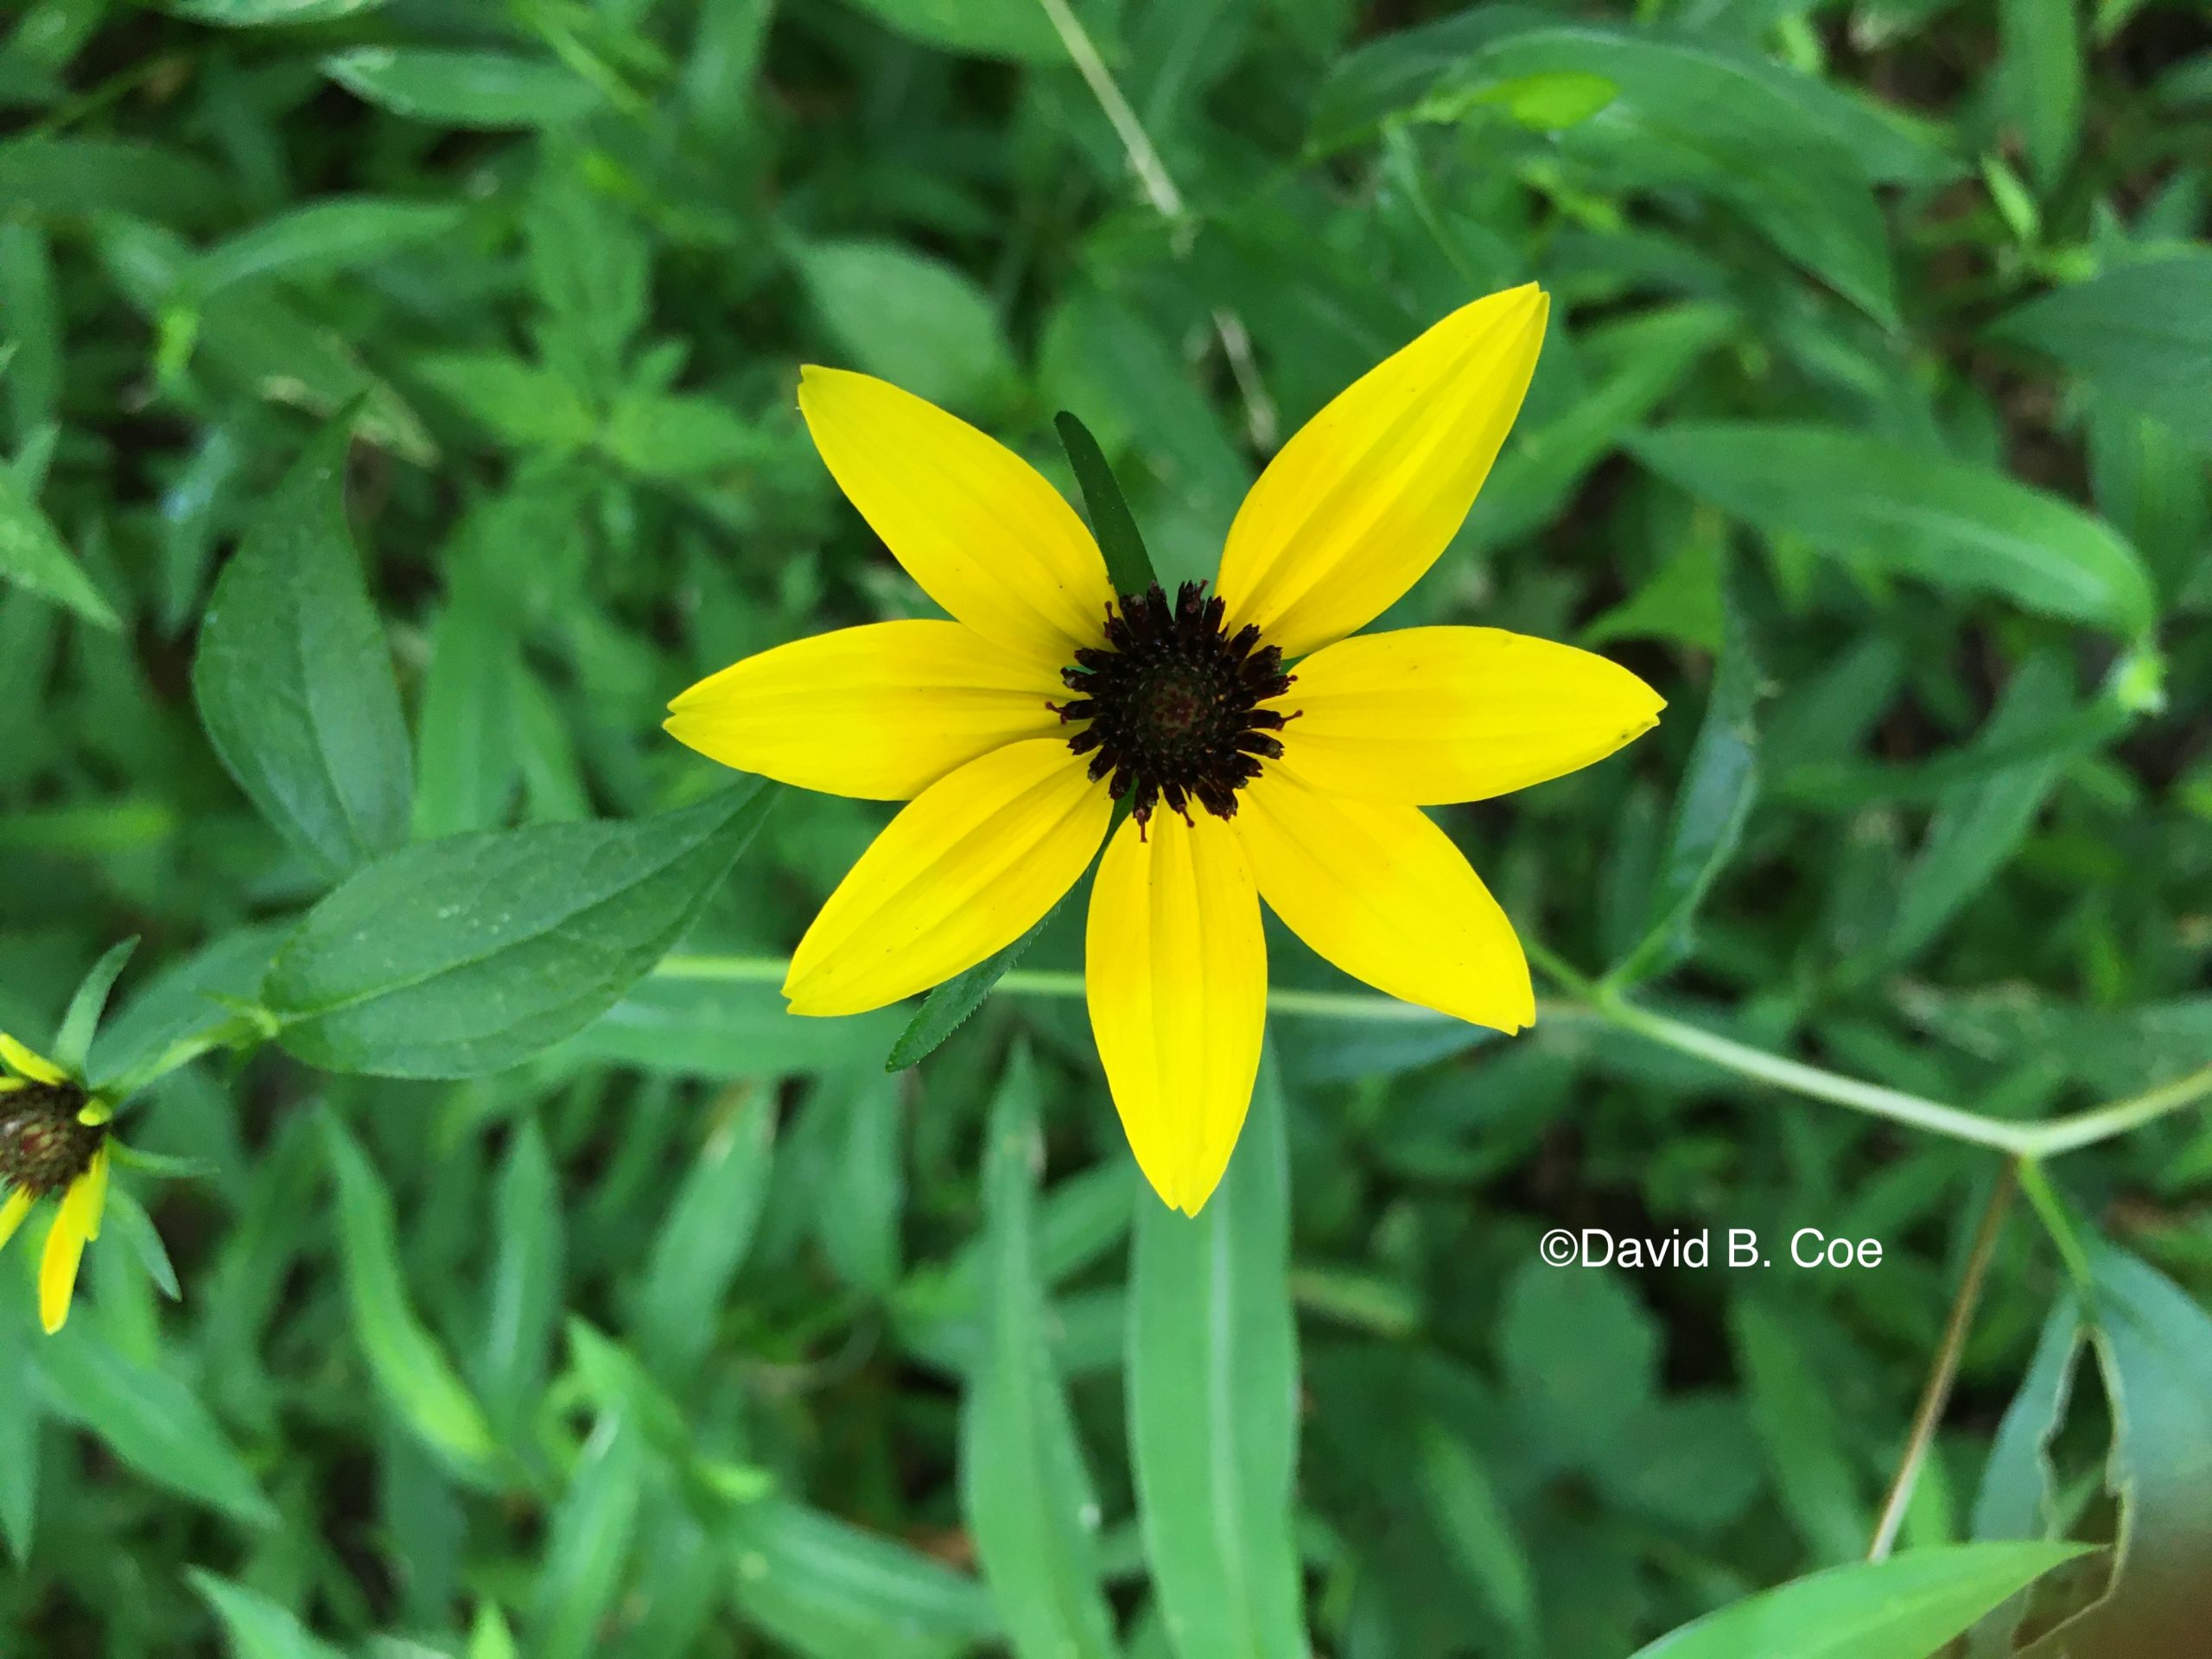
(1586, 1002)
(2051, 1209)
(1159, 189)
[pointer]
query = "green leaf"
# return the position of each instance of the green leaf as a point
(1465, 1507)
(704, 1240)
(1796, 1423)
(730, 1029)
(997, 28)
(1979, 825)
(2016, 1499)
(2139, 334)
(2154, 1349)
(1738, 100)
(1712, 805)
(1212, 1378)
(30, 324)
(520, 403)
(261, 14)
(152, 1421)
(580, 1574)
(74, 1041)
(1128, 564)
(47, 175)
(828, 1590)
(294, 680)
(681, 437)
(128, 1217)
(1025, 1492)
(1907, 1607)
(20, 1426)
(524, 1314)
(916, 321)
(336, 234)
(2041, 74)
(1879, 504)
(861, 1200)
(947, 1007)
(468, 757)
(491, 1638)
(405, 1359)
(32, 554)
(463, 89)
(1636, 364)
(465, 955)
(1582, 1353)
(1794, 157)
(258, 1628)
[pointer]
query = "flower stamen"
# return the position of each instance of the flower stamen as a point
(49, 1134)
(1171, 706)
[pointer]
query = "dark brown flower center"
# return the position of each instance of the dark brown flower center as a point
(43, 1145)
(1171, 704)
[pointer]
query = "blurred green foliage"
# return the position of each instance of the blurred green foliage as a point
(396, 409)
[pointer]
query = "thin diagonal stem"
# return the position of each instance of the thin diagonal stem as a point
(1944, 1373)
(1160, 190)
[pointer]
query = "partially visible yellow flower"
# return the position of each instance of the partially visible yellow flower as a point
(53, 1140)
(1014, 729)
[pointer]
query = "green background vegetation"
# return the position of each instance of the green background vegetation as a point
(543, 1291)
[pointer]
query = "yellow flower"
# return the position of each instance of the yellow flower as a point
(1014, 729)
(54, 1138)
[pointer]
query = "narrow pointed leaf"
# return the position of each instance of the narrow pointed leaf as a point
(1024, 1489)
(1907, 1607)
(1127, 562)
(1212, 1378)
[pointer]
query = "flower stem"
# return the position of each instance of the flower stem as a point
(1586, 1000)
(1944, 1373)
(1159, 189)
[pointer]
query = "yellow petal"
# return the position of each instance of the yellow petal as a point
(1380, 892)
(1426, 715)
(8, 1086)
(12, 1213)
(74, 1222)
(1175, 969)
(1358, 504)
(96, 1205)
(968, 867)
(977, 526)
(881, 712)
(19, 1060)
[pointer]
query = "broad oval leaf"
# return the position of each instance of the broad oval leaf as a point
(294, 680)
(1944, 521)
(468, 955)
(1907, 1607)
